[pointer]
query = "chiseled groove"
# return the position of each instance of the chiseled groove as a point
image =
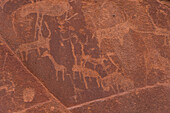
(119, 94)
(34, 106)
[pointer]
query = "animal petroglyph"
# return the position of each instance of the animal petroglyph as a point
(46, 7)
(42, 42)
(89, 73)
(58, 68)
(119, 81)
(50, 8)
(87, 53)
(83, 70)
(86, 73)
(116, 32)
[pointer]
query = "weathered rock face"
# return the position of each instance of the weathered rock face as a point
(90, 53)
(20, 90)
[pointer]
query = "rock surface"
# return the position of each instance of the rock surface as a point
(92, 56)
(20, 90)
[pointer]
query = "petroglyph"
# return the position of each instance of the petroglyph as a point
(112, 61)
(82, 69)
(77, 92)
(20, 91)
(165, 2)
(42, 42)
(102, 14)
(58, 68)
(87, 50)
(6, 55)
(28, 94)
(117, 82)
(116, 32)
(3, 2)
(86, 73)
(38, 7)
(6, 81)
(46, 7)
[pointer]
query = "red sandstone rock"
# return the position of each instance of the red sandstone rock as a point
(20, 90)
(92, 55)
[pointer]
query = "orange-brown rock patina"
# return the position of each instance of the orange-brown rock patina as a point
(85, 56)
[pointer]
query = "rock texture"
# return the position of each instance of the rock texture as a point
(92, 56)
(20, 90)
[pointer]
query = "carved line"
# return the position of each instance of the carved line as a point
(34, 106)
(119, 94)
